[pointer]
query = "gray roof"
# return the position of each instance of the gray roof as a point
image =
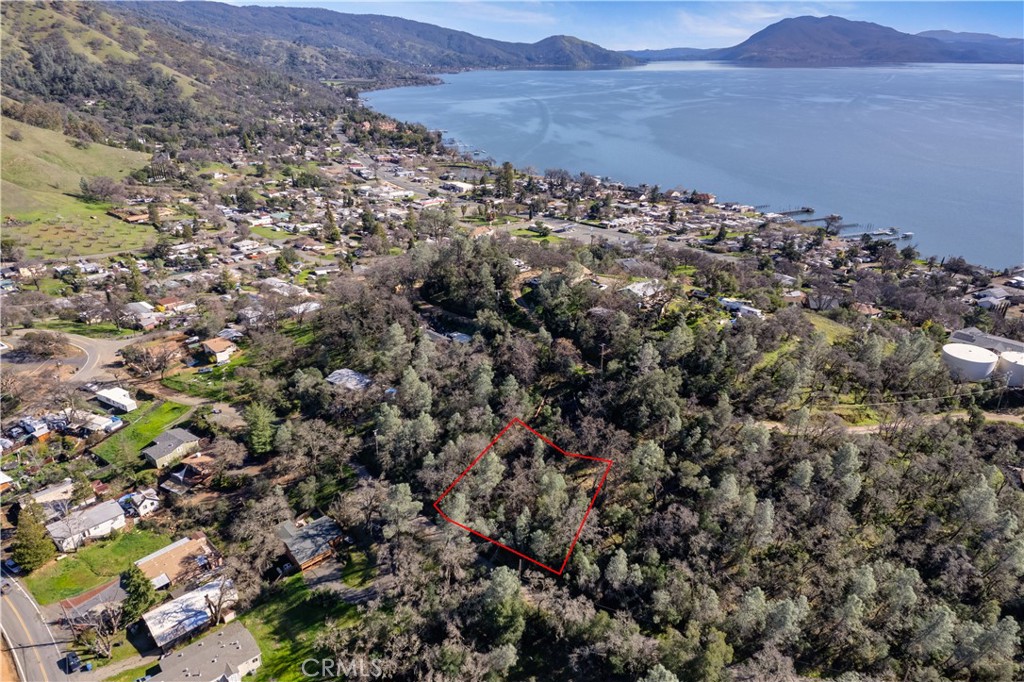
(976, 337)
(211, 657)
(311, 540)
(348, 378)
(82, 521)
(168, 442)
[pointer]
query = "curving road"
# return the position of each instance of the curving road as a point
(98, 353)
(36, 653)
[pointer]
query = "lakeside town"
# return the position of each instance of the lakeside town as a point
(120, 370)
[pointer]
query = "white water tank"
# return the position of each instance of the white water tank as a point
(1011, 363)
(967, 362)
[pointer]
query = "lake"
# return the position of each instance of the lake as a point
(937, 150)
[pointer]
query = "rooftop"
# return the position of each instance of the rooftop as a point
(81, 521)
(349, 378)
(174, 619)
(168, 442)
(214, 657)
(178, 560)
(310, 541)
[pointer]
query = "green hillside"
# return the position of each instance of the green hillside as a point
(40, 178)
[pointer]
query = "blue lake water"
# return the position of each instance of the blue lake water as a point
(933, 149)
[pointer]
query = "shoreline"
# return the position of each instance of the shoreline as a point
(772, 204)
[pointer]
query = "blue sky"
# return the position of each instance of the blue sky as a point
(632, 25)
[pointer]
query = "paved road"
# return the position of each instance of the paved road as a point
(35, 649)
(99, 354)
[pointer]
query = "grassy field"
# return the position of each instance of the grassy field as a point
(210, 385)
(92, 566)
(529, 234)
(269, 232)
(100, 330)
(285, 626)
(40, 176)
(148, 422)
(833, 331)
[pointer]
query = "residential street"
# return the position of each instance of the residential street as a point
(37, 654)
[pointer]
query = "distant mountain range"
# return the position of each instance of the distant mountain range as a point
(326, 44)
(834, 41)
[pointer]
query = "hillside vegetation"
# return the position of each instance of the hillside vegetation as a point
(40, 182)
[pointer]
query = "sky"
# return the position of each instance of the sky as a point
(619, 25)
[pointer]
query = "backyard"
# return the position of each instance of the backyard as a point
(124, 446)
(285, 625)
(211, 385)
(92, 566)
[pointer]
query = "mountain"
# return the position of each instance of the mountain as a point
(824, 41)
(671, 54)
(326, 44)
(977, 38)
(834, 41)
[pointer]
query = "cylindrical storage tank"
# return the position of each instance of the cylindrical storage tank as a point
(1011, 364)
(967, 362)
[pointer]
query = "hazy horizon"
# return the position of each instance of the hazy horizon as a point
(621, 25)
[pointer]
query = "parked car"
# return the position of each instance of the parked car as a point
(72, 662)
(12, 566)
(205, 370)
(5, 587)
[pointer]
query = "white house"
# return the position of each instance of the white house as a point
(144, 502)
(94, 522)
(117, 398)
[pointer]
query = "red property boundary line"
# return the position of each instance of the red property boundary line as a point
(576, 537)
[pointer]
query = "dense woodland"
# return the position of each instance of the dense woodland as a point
(723, 545)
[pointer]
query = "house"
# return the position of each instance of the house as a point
(169, 446)
(311, 542)
(6, 482)
(179, 618)
(118, 398)
(867, 310)
(227, 655)
(170, 304)
(144, 502)
(55, 500)
(644, 288)
(349, 378)
(218, 349)
(184, 560)
(97, 521)
(94, 423)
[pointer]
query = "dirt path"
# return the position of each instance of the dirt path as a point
(7, 670)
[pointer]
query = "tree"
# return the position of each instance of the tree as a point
(32, 547)
(504, 610)
(139, 591)
(45, 344)
(505, 185)
(100, 189)
(259, 420)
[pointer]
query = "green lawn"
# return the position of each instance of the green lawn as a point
(92, 566)
(269, 232)
(358, 570)
(210, 385)
(132, 674)
(100, 330)
(148, 422)
(530, 234)
(285, 625)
